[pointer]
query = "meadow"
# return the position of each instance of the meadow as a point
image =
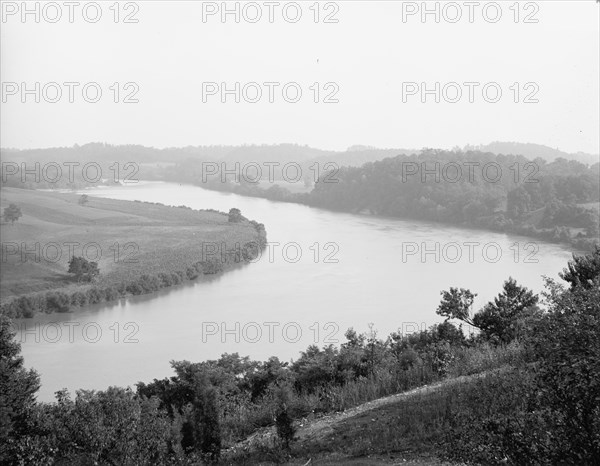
(127, 240)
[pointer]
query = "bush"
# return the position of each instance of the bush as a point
(191, 273)
(58, 302)
(165, 279)
(212, 266)
(566, 344)
(105, 427)
(95, 295)
(111, 293)
(79, 299)
(149, 283)
(408, 359)
(135, 288)
(26, 306)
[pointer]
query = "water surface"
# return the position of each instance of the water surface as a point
(278, 306)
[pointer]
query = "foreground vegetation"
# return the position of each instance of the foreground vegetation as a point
(535, 399)
(139, 248)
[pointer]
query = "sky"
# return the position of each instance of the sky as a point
(365, 63)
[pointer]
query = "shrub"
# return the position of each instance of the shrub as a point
(135, 288)
(191, 273)
(111, 293)
(58, 302)
(176, 279)
(566, 344)
(165, 279)
(250, 251)
(79, 299)
(408, 359)
(95, 295)
(26, 306)
(149, 283)
(211, 267)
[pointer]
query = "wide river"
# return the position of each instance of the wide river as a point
(354, 271)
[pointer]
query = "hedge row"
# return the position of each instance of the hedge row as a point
(60, 301)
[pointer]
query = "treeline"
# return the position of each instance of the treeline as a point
(538, 403)
(503, 193)
(154, 163)
(534, 198)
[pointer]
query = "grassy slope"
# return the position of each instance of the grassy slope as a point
(168, 238)
(398, 429)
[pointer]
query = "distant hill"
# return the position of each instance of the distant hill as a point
(533, 151)
(151, 158)
(99, 152)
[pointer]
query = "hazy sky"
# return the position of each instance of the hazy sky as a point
(368, 55)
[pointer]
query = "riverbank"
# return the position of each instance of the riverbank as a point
(140, 247)
(529, 227)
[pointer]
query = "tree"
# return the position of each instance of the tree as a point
(207, 415)
(500, 319)
(265, 375)
(83, 269)
(582, 270)
(518, 202)
(235, 215)
(566, 344)
(105, 427)
(192, 396)
(456, 304)
(12, 213)
(17, 389)
(283, 420)
(202, 431)
(83, 199)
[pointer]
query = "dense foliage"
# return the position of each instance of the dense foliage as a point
(17, 389)
(555, 201)
(504, 193)
(12, 213)
(83, 269)
(547, 409)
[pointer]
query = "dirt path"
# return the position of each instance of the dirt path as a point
(324, 425)
(309, 430)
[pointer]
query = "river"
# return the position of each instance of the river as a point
(354, 271)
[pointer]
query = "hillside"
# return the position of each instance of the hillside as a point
(127, 239)
(553, 201)
(534, 151)
(375, 432)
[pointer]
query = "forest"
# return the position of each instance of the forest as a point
(556, 201)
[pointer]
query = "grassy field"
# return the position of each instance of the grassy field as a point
(132, 238)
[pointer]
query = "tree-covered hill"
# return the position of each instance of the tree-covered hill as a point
(508, 193)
